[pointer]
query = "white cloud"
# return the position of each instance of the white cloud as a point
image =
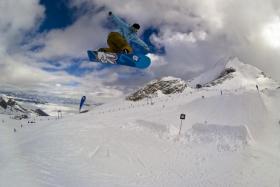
(16, 19)
(195, 35)
(86, 33)
(23, 68)
(16, 71)
(271, 33)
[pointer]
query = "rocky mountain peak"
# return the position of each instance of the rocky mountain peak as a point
(11, 107)
(166, 85)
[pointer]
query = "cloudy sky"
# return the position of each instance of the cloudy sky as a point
(43, 43)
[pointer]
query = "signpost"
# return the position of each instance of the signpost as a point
(59, 114)
(182, 117)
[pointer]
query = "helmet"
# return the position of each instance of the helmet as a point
(136, 26)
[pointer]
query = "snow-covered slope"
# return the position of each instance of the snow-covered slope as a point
(239, 76)
(45, 101)
(211, 74)
(230, 137)
(9, 106)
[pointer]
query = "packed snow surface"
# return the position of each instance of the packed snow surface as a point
(230, 137)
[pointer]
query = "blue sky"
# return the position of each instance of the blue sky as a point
(58, 15)
(43, 43)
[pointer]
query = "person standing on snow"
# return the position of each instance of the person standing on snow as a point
(119, 42)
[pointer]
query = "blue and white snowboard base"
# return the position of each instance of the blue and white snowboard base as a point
(137, 61)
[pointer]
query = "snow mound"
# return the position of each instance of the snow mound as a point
(222, 137)
(155, 128)
(225, 138)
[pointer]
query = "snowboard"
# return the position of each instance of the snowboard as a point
(132, 60)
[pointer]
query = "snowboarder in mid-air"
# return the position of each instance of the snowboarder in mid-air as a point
(119, 50)
(119, 42)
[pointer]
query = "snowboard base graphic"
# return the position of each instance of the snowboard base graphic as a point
(132, 60)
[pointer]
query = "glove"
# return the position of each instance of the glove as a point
(110, 13)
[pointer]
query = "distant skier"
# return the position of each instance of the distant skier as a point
(119, 42)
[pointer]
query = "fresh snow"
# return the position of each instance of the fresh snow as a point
(230, 137)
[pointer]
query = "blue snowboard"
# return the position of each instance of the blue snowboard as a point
(137, 61)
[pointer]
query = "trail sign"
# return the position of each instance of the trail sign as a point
(183, 116)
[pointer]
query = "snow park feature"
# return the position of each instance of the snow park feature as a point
(229, 139)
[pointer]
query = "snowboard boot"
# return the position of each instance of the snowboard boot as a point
(102, 49)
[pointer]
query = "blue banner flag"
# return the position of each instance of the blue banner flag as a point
(83, 99)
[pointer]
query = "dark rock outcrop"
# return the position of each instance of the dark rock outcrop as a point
(3, 103)
(41, 112)
(225, 75)
(167, 85)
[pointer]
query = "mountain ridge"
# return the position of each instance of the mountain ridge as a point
(10, 106)
(231, 76)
